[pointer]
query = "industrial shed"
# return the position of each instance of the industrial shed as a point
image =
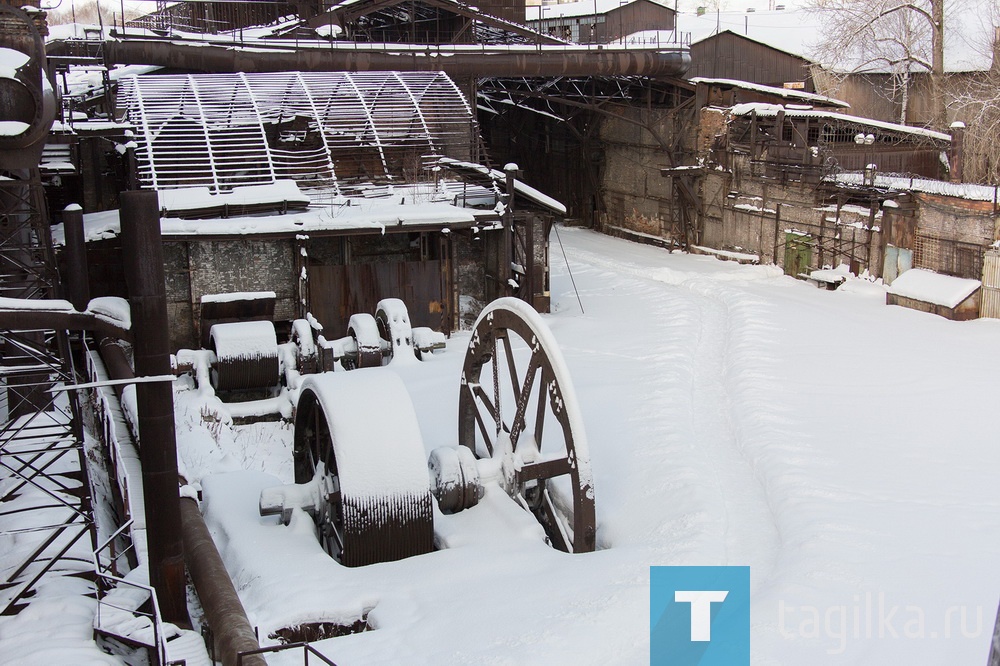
(730, 55)
(332, 190)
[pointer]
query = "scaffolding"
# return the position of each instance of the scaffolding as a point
(42, 467)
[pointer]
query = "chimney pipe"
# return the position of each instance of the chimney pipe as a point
(78, 284)
(956, 154)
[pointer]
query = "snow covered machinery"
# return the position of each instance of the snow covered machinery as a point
(359, 458)
(246, 355)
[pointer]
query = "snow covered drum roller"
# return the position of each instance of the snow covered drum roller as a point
(360, 474)
(519, 417)
(246, 355)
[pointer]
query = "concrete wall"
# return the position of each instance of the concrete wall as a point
(196, 268)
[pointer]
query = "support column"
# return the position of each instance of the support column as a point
(78, 284)
(142, 251)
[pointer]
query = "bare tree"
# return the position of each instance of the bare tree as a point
(94, 12)
(899, 37)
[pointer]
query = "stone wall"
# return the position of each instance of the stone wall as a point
(637, 145)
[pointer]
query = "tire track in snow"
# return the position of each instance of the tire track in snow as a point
(726, 414)
(709, 381)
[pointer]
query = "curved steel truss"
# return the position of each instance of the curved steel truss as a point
(322, 129)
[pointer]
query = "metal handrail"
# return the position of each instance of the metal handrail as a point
(110, 541)
(307, 650)
(158, 643)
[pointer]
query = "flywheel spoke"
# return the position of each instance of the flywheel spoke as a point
(546, 469)
(522, 400)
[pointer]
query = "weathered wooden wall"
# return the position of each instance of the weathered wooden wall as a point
(730, 56)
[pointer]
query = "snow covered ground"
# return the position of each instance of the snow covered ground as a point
(847, 451)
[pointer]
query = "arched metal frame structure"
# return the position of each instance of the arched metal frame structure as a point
(322, 129)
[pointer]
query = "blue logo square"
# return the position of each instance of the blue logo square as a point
(699, 616)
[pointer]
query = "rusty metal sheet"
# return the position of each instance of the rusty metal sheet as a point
(337, 292)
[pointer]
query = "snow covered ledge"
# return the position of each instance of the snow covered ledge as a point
(927, 291)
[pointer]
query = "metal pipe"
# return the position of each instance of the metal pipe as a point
(223, 609)
(116, 363)
(78, 284)
(142, 251)
(957, 152)
(458, 64)
(59, 320)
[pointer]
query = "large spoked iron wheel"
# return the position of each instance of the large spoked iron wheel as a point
(517, 406)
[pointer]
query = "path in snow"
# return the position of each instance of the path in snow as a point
(697, 340)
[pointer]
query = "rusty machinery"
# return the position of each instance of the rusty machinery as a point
(28, 101)
(360, 467)
(245, 355)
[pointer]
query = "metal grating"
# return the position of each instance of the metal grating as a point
(322, 129)
(989, 304)
(964, 260)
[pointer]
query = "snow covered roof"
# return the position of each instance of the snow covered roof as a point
(319, 128)
(194, 200)
(969, 33)
(798, 95)
(795, 32)
(520, 188)
(388, 208)
(582, 8)
(969, 191)
(930, 287)
(771, 110)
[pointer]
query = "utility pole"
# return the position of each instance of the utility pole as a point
(937, 65)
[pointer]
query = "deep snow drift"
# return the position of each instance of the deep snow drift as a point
(844, 449)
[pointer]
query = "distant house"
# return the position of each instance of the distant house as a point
(599, 21)
(780, 47)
